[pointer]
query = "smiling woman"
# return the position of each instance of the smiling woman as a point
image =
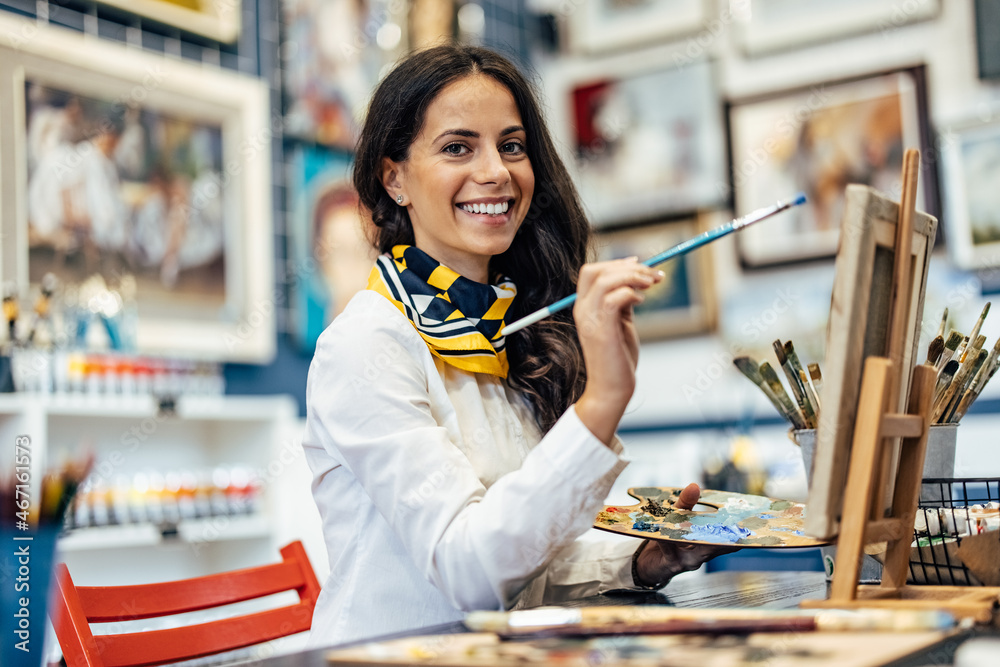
(439, 435)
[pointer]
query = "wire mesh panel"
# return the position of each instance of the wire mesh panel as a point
(952, 510)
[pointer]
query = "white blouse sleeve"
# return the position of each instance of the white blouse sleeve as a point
(369, 393)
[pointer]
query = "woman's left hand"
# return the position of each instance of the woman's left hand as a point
(660, 563)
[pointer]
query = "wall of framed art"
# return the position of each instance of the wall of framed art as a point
(812, 96)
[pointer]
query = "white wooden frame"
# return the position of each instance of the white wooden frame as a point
(595, 29)
(831, 21)
(960, 179)
(239, 104)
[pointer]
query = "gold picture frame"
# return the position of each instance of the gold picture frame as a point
(215, 19)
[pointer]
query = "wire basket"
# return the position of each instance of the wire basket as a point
(949, 511)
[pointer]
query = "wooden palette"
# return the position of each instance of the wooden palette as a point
(722, 518)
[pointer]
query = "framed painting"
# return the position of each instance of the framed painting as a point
(682, 304)
(775, 25)
(817, 140)
(970, 155)
(606, 25)
(145, 171)
(215, 19)
(333, 54)
(330, 253)
(643, 141)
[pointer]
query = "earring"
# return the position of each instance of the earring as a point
(399, 199)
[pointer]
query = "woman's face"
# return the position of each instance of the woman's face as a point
(467, 182)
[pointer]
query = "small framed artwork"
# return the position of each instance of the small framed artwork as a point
(148, 173)
(970, 155)
(215, 19)
(642, 142)
(817, 140)
(606, 25)
(775, 25)
(331, 64)
(331, 256)
(682, 304)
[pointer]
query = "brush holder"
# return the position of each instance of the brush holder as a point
(939, 461)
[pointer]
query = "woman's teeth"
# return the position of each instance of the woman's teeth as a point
(488, 209)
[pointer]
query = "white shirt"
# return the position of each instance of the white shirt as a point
(436, 491)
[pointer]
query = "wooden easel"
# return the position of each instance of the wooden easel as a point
(883, 466)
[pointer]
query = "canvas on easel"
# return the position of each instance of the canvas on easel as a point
(858, 329)
(887, 446)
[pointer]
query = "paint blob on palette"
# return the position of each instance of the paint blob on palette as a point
(721, 517)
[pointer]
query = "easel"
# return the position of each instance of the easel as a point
(874, 475)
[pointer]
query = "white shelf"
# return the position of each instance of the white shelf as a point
(212, 529)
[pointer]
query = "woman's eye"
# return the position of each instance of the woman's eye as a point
(455, 149)
(513, 148)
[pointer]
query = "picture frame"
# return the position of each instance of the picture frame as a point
(970, 158)
(642, 137)
(330, 255)
(778, 25)
(219, 20)
(598, 26)
(684, 303)
(182, 205)
(859, 328)
(817, 140)
(331, 64)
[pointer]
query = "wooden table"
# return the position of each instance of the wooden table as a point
(766, 590)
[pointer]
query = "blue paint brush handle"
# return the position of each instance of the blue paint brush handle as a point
(679, 249)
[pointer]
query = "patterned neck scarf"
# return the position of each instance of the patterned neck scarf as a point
(459, 319)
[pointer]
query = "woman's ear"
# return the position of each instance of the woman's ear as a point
(392, 178)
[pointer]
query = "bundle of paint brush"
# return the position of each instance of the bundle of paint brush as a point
(58, 488)
(963, 367)
(805, 384)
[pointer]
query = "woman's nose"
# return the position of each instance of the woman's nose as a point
(491, 167)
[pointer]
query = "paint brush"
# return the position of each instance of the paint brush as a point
(678, 250)
(595, 620)
(810, 411)
(816, 375)
(749, 368)
(979, 325)
(934, 350)
(944, 380)
(985, 374)
(796, 384)
(772, 381)
(944, 323)
(810, 391)
(977, 363)
(951, 344)
(957, 384)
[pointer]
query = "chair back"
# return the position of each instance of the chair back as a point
(74, 608)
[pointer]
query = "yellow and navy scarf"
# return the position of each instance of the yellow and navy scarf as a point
(459, 319)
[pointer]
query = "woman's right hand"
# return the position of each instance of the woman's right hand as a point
(606, 294)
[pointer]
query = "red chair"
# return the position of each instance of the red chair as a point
(74, 608)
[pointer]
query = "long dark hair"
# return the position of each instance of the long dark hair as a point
(546, 363)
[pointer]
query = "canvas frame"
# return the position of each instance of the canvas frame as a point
(238, 104)
(700, 315)
(766, 126)
(859, 328)
(968, 189)
(216, 19)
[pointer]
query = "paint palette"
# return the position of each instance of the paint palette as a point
(721, 517)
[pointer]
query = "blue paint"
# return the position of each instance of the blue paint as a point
(717, 533)
(644, 526)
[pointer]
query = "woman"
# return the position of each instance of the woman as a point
(455, 469)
